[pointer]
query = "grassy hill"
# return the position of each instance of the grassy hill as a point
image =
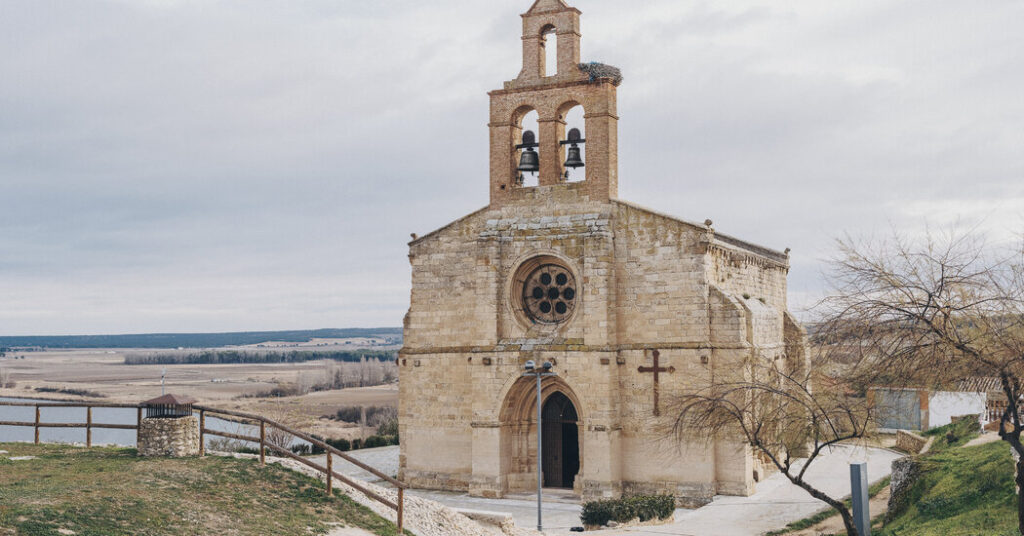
(94, 492)
(192, 340)
(966, 491)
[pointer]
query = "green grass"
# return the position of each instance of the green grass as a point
(947, 438)
(962, 491)
(107, 491)
(827, 513)
(951, 436)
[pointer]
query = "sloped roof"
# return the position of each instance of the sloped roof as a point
(980, 384)
(542, 6)
(170, 400)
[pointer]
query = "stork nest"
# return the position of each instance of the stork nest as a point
(599, 71)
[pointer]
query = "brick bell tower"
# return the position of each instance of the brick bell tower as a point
(590, 85)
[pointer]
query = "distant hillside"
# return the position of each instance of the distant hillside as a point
(195, 340)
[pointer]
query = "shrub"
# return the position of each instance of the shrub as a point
(388, 427)
(349, 414)
(642, 507)
(341, 444)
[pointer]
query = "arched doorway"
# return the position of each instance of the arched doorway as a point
(561, 442)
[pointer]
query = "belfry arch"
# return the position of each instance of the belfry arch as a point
(518, 421)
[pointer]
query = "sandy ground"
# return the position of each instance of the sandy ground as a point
(104, 372)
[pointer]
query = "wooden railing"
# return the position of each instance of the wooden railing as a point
(330, 451)
(88, 424)
(328, 471)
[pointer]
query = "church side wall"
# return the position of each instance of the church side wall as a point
(662, 294)
(453, 290)
(746, 275)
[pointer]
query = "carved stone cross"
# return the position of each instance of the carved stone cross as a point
(656, 370)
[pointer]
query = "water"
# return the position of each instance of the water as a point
(100, 436)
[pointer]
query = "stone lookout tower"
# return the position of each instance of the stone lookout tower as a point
(170, 428)
(631, 306)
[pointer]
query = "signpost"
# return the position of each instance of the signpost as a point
(859, 486)
(545, 370)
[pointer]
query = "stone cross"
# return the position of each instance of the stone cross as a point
(656, 370)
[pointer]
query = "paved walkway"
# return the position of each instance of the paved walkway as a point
(776, 503)
(383, 459)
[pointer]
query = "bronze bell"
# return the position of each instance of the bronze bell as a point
(529, 162)
(574, 161)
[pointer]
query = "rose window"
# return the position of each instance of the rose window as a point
(549, 294)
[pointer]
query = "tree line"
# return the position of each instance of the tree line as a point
(227, 357)
(196, 340)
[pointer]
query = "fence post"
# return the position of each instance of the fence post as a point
(330, 473)
(263, 441)
(88, 427)
(138, 426)
(202, 432)
(401, 505)
(37, 425)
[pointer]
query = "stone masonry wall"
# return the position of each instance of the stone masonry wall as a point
(173, 438)
(643, 283)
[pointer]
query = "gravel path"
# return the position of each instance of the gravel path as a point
(423, 517)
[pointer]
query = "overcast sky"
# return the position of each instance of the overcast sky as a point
(205, 165)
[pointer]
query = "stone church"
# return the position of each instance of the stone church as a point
(628, 304)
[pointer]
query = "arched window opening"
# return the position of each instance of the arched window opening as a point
(550, 40)
(529, 124)
(574, 154)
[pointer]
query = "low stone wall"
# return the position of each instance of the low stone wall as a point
(910, 442)
(173, 438)
(905, 472)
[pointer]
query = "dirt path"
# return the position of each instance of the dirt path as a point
(878, 505)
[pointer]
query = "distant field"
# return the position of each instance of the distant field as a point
(197, 340)
(65, 373)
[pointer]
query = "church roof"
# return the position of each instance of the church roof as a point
(719, 238)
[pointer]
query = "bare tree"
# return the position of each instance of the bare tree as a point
(931, 312)
(289, 417)
(5, 378)
(779, 415)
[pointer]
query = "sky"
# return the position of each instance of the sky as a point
(221, 165)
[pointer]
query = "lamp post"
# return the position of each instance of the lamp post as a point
(545, 370)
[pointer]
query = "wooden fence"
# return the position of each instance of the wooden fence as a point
(255, 420)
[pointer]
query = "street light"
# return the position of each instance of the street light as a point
(545, 370)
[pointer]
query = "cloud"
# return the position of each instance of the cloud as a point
(173, 165)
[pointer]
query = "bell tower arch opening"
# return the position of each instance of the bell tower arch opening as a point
(529, 129)
(549, 41)
(573, 141)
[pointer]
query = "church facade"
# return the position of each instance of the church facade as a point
(629, 305)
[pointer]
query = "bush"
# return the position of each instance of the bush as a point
(641, 507)
(341, 444)
(349, 414)
(388, 427)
